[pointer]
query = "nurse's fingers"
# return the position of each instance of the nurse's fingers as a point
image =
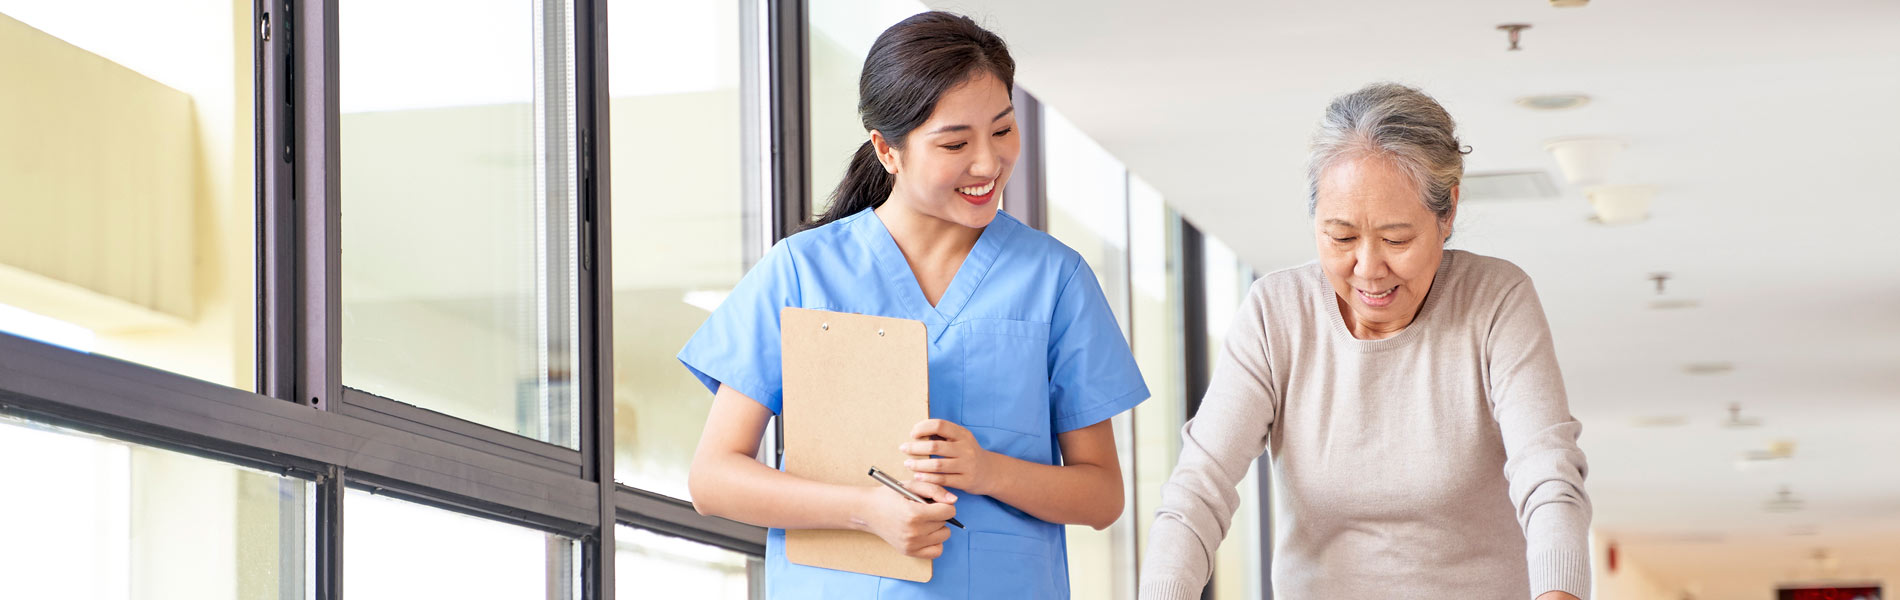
(937, 513)
(931, 491)
(926, 552)
(929, 465)
(937, 537)
(940, 428)
(929, 448)
(936, 478)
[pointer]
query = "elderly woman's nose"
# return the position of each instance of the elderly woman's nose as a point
(1368, 262)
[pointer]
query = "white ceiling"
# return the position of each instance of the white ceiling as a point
(1770, 129)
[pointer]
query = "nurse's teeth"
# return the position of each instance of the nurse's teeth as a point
(979, 190)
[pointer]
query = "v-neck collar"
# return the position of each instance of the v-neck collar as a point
(896, 273)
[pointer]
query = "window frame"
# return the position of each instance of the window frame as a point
(303, 422)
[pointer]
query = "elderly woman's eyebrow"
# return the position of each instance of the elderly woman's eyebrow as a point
(1385, 227)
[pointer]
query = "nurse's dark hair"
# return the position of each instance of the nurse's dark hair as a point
(907, 71)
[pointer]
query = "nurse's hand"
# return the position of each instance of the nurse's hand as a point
(917, 530)
(959, 461)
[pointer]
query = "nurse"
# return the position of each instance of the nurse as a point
(1027, 363)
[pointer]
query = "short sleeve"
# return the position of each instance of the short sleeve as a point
(1092, 374)
(739, 344)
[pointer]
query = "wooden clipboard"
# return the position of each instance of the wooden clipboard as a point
(855, 385)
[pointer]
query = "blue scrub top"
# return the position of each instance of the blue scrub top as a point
(1022, 347)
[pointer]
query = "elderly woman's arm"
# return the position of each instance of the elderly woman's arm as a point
(1545, 468)
(1217, 446)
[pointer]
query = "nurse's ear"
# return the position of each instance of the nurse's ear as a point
(886, 153)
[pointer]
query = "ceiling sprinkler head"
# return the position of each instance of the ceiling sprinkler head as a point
(1737, 421)
(1514, 29)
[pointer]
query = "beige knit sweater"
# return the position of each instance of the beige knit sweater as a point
(1438, 463)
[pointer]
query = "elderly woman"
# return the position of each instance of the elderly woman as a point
(1421, 442)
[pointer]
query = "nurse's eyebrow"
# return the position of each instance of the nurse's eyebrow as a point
(949, 128)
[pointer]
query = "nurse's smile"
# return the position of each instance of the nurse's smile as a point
(978, 194)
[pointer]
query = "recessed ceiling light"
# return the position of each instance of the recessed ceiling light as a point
(1553, 101)
(1690, 537)
(1674, 304)
(1776, 450)
(1708, 368)
(1660, 421)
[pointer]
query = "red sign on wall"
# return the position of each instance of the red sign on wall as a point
(1829, 593)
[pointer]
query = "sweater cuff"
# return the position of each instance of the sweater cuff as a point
(1153, 588)
(1558, 550)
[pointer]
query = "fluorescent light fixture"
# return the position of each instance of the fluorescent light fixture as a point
(18, 321)
(707, 300)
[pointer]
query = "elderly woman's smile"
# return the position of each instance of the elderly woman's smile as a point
(1378, 244)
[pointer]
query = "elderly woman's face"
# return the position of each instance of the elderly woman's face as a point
(1378, 243)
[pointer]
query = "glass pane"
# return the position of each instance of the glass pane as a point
(459, 258)
(841, 35)
(1088, 210)
(650, 565)
(1088, 204)
(401, 550)
(1154, 249)
(126, 182)
(685, 221)
(90, 517)
(1237, 561)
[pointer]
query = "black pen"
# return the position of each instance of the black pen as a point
(892, 483)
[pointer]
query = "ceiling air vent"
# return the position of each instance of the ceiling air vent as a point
(1507, 186)
(1784, 501)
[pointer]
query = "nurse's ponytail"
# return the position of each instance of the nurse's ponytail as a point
(907, 71)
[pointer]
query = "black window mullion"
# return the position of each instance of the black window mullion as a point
(309, 132)
(1194, 329)
(596, 292)
(410, 418)
(1194, 316)
(315, 142)
(1026, 196)
(330, 489)
(675, 517)
(788, 32)
(277, 284)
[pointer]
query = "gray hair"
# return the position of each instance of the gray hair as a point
(1396, 122)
